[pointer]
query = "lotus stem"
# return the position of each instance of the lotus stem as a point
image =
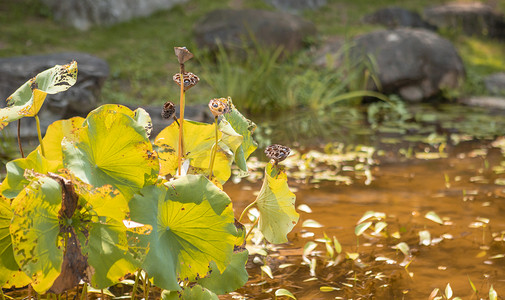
(19, 140)
(213, 151)
(183, 94)
(252, 227)
(40, 135)
(245, 210)
(146, 286)
(84, 293)
(2, 294)
(135, 285)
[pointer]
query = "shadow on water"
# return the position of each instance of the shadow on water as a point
(454, 169)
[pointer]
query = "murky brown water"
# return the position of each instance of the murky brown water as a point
(405, 191)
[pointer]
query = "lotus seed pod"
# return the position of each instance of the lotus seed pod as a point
(219, 106)
(277, 152)
(183, 54)
(189, 79)
(168, 110)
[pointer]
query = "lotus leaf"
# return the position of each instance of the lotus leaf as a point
(28, 99)
(276, 204)
(112, 149)
(198, 141)
(194, 293)
(15, 180)
(233, 277)
(188, 231)
(10, 273)
(244, 127)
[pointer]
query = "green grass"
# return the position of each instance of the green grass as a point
(142, 62)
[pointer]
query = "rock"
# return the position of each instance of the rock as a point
(495, 83)
(76, 101)
(82, 14)
(414, 63)
(296, 6)
(471, 18)
(233, 28)
(484, 101)
(393, 17)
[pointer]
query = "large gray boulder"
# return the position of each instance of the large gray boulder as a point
(296, 6)
(471, 18)
(394, 17)
(82, 14)
(233, 28)
(76, 101)
(413, 63)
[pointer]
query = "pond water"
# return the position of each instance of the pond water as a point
(459, 184)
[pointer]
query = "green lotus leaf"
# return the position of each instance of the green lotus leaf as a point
(276, 204)
(233, 277)
(10, 273)
(38, 248)
(195, 292)
(112, 149)
(245, 128)
(198, 141)
(55, 134)
(106, 245)
(15, 181)
(28, 99)
(187, 233)
(140, 116)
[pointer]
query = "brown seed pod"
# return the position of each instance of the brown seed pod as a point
(190, 80)
(168, 110)
(183, 54)
(277, 152)
(219, 106)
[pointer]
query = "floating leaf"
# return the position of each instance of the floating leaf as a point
(233, 277)
(493, 295)
(15, 181)
(308, 248)
(362, 228)
(434, 217)
(266, 269)
(187, 233)
(474, 289)
(327, 289)
(276, 204)
(448, 291)
(10, 273)
(404, 248)
(27, 100)
(424, 238)
(284, 292)
(304, 208)
(309, 223)
(112, 149)
(372, 214)
(379, 226)
(337, 245)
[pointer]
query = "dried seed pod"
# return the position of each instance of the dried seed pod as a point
(219, 106)
(183, 54)
(277, 152)
(189, 79)
(168, 110)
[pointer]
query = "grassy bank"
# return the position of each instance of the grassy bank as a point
(140, 53)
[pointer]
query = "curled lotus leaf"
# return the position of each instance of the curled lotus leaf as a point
(198, 141)
(55, 134)
(111, 148)
(10, 273)
(245, 128)
(37, 246)
(15, 180)
(27, 100)
(140, 116)
(188, 232)
(276, 204)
